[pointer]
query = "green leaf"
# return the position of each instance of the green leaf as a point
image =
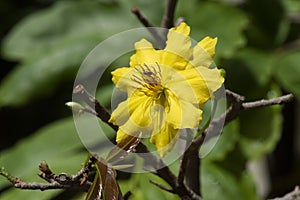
(141, 188)
(26, 82)
(66, 24)
(219, 183)
(287, 72)
(223, 144)
(15, 193)
(292, 6)
(268, 29)
(52, 43)
(104, 94)
(57, 143)
(260, 131)
(250, 66)
(210, 18)
(259, 64)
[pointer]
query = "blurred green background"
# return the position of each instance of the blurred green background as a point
(43, 43)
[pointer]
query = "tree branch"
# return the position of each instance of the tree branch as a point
(237, 106)
(160, 168)
(94, 105)
(162, 187)
(168, 18)
(148, 25)
(60, 181)
(262, 103)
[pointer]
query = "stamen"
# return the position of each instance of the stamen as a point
(149, 78)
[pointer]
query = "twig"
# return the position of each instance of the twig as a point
(191, 160)
(48, 186)
(162, 187)
(141, 17)
(192, 175)
(149, 26)
(159, 166)
(168, 18)
(60, 181)
(93, 103)
(262, 103)
(127, 195)
(238, 106)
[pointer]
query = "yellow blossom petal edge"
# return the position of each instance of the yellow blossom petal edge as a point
(145, 53)
(203, 52)
(183, 28)
(176, 54)
(209, 44)
(165, 139)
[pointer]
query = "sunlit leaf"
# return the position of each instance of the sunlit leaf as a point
(57, 143)
(52, 43)
(287, 72)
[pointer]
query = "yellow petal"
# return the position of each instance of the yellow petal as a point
(173, 59)
(177, 51)
(145, 54)
(183, 28)
(209, 44)
(120, 115)
(203, 52)
(212, 77)
(183, 83)
(165, 139)
(136, 107)
(121, 135)
(181, 113)
(122, 78)
(192, 87)
(133, 115)
(158, 116)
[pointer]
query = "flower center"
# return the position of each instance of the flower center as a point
(149, 78)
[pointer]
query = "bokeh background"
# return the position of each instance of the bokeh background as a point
(43, 43)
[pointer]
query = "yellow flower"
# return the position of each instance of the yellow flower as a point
(166, 88)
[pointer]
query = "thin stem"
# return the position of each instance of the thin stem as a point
(60, 181)
(262, 103)
(93, 103)
(162, 187)
(168, 18)
(48, 186)
(149, 26)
